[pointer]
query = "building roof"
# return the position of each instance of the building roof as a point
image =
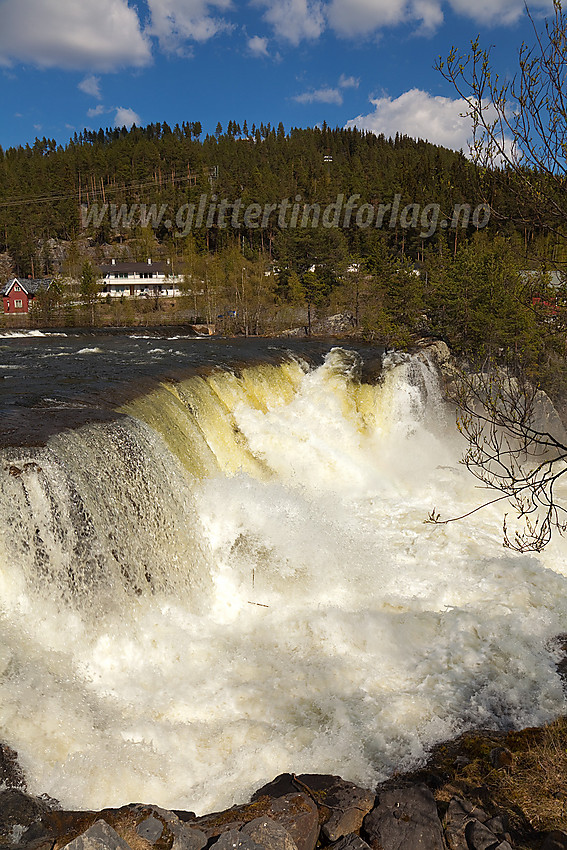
(31, 286)
(134, 268)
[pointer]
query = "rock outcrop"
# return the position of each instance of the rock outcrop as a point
(339, 325)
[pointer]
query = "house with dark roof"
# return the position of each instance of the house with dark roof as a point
(139, 279)
(19, 293)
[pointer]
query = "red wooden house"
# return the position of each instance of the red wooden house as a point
(19, 293)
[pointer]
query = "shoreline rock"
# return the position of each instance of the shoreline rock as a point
(468, 796)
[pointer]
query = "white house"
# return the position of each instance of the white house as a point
(139, 279)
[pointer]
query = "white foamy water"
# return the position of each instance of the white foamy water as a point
(237, 580)
(29, 333)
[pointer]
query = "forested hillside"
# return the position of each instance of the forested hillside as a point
(43, 186)
(426, 270)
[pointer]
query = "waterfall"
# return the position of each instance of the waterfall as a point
(235, 578)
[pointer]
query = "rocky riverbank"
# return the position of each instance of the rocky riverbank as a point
(484, 791)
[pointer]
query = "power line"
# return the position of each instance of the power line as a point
(92, 193)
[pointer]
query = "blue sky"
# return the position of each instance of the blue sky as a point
(70, 64)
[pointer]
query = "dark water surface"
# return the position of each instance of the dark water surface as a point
(54, 380)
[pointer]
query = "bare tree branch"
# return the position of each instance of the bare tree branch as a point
(520, 125)
(508, 451)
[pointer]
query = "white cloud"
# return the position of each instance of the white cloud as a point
(328, 94)
(352, 18)
(258, 46)
(348, 82)
(324, 95)
(100, 35)
(418, 114)
(104, 35)
(91, 85)
(97, 110)
(295, 20)
(496, 11)
(430, 14)
(361, 17)
(174, 21)
(126, 117)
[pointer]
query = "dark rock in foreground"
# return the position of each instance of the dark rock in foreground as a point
(404, 817)
(99, 836)
(556, 840)
(296, 812)
(342, 805)
(20, 815)
(468, 827)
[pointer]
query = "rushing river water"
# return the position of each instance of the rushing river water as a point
(220, 574)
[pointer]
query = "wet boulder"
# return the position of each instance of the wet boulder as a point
(350, 842)
(18, 813)
(297, 813)
(234, 839)
(404, 819)
(269, 834)
(342, 805)
(100, 836)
